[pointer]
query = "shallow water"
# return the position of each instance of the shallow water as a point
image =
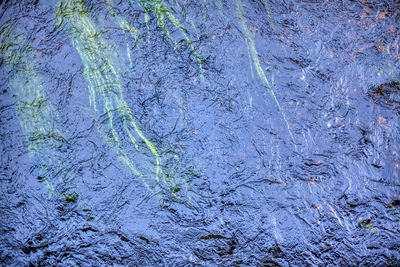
(200, 133)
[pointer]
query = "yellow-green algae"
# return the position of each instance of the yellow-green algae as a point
(146, 16)
(123, 23)
(266, 6)
(205, 13)
(395, 211)
(126, 27)
(102, 72)
(163, 14)
(36, 115)
(187, 18)
(38, 118)
(256, 62)
(367, 225)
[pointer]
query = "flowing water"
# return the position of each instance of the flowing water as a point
(199, 133)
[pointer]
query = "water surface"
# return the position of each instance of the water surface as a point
(199, 133)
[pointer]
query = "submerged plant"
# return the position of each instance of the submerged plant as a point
(38, 118)
(71, 197)
(265, 4)
(256, 62)
(367, 225)
(102, 71)
(124, 24)
(163, 15)
(36, 115)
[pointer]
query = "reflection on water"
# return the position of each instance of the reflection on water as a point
(210, 133)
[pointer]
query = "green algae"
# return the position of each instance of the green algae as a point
(267, 10)
(123, 23)
(367, 225)
(163, 15)
(257, 65)
(39, 120)
(35, 113)
(102, 70)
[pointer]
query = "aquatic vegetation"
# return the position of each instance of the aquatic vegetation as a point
(146, 16)
(265, 4)
(126, 27)
(395, 211)
(205, 12)
(102, 71)
(124, 24)
(163, 14)
(38, 118)
(257, 65)
(367, 225)
(187, 18)
(71, 197)
(36, 114)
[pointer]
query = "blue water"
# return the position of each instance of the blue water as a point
(199, 133)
